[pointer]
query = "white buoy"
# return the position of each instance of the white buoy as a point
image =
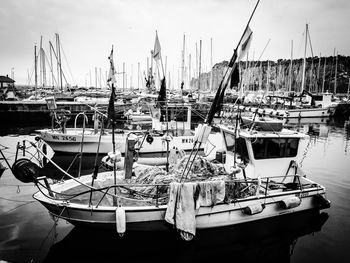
(254, 209)
(120, 221)
(290, 202)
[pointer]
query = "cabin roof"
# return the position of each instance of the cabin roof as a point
(284, 133)
(6, 79)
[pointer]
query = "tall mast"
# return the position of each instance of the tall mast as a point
(211, 64)
(183, 61)
(196, 60)
(100, 78)
(318, 74)
(59, 59)
(124, 76)
(95, 77)
(52, 76)
(335, 75)
(291, 67)
(138, 75)
(311, 71)
(199, 66)
(268, 77)
(189, 70)
(131, 76)
(41, 75)
(304, 63)
(36, 72)
(324, 74)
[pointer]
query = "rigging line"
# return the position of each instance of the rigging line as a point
(312, 52)
(262, 52)
(13, 200)
(60, 64)
(51, 69)
(13, 209)
(67, 63)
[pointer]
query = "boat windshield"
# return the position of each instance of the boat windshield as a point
(265, 148)
(241, 149)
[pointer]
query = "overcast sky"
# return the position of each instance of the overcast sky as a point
(88, 29)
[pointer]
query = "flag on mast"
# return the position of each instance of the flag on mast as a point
(111, 75)
(156, 50)
(246, 40)
(111, 116)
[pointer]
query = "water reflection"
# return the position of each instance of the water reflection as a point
(270, 240)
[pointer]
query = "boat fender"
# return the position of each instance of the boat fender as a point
(290, 202)
(253, 209)
(149, 139)
(120, 221)
(25, 170)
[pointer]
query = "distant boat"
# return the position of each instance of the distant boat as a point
(153, 141)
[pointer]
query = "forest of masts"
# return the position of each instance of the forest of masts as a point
(321, 73)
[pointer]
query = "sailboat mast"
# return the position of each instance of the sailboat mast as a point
(52, 76)
(183, 61)
(324, 74)
(36, 72)
(335, 75)
(211, 64)
(311, 71)
(59, 59)
(318, 74)
(291, 67)
(199, 66)
(41, 75)
(138, 75)
(189, 70)
(268, 77)
(304, 60)
(124, 76)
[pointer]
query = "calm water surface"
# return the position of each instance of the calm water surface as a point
(29, 234)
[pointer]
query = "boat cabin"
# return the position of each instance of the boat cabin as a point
(263, 153)
(176, 117)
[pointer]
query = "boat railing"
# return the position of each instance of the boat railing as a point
(158, 194)
(85, 120)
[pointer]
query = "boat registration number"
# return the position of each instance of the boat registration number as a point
(64, 138)
(187, 140)
(304, 194)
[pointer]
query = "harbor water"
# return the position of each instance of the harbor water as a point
(28, 233)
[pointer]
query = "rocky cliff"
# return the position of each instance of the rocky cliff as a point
(321, 74)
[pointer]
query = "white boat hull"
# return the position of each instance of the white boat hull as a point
(151, 218)
(70, 142)
(307, 113)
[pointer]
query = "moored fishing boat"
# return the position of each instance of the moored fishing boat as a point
(259, 179)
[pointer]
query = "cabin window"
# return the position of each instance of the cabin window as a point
(229, 141)
(242, 150)
(178, 114)
(265, 148)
